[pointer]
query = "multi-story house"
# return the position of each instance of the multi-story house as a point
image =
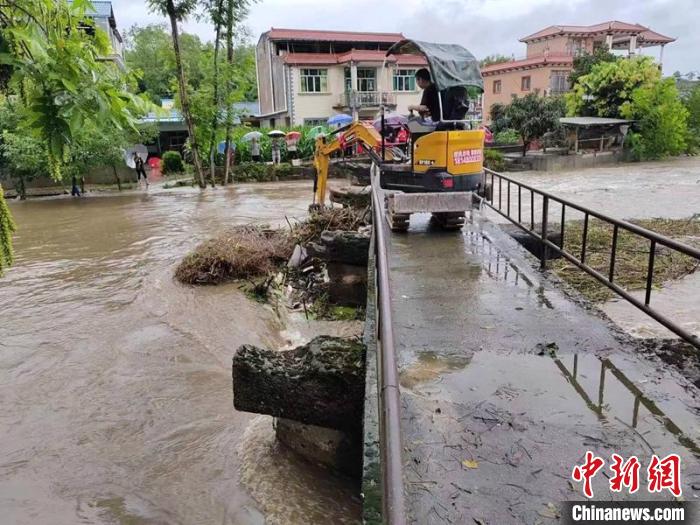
(550, 55)
(305, 77)
(103, 18)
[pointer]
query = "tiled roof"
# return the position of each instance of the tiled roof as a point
(529, 63)
(652, 37)
(332, 36)
(612, 26)
(356, 55)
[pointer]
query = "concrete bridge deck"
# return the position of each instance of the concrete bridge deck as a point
(506, 382)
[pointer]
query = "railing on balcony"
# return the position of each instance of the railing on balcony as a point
(364, 99)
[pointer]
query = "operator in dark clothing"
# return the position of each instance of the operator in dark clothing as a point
(430, 103)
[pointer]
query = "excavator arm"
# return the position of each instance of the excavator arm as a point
(355, 133)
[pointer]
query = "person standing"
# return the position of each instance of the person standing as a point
(140, 171)
(276, 150)
(255, 149)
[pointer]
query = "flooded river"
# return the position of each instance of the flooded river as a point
(115, 381)
(668, 189)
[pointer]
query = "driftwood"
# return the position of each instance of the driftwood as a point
(320, 383)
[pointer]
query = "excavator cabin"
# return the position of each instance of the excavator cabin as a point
(443, 155)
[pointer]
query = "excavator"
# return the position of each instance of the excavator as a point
(443, 165)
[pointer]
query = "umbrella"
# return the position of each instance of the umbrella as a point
(251, 135)
(340, 120)
(276, 133)
(129, 154)
(293, 135)
(318, 130)
(390, 119)
(221, 147)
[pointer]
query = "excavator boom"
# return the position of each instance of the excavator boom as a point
(355, 133)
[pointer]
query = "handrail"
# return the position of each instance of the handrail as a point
(617, 224)
(390, 405)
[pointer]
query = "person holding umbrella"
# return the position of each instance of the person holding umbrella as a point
(255, 149)
(276, 137)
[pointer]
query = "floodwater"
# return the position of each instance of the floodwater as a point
(115, 381)
(668, 189)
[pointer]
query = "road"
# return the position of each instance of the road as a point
(506, 383)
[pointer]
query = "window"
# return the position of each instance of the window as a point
(404, 79)
(314, 80)
(315, 121)
(366, 79)
(559, 81)
(525, 84)
(496, 87)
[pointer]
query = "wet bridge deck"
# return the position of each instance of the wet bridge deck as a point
(506, 382)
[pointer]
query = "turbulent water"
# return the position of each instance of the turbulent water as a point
(115, 386)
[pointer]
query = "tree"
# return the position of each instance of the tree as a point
(216, 12)
(661, 120)
(494, 59)
(176, 11)
(533, 116)
(499, 119)
(692, 103)
(583, 63)
(604, 90)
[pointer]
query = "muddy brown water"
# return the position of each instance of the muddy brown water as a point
(115, 382)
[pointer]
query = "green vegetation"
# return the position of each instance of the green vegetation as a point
(632, 255)
(499, 117)
(172, 163)
(494, 160)
(494, 59)
(507, 136)
(661, 118)
(7, 228)
(633, 88)
(533, 116)
(692, 104)
(584, 63)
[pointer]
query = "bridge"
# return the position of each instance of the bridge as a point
(487, 380)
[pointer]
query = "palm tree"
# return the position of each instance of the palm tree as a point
(176, 11)
(215, 8)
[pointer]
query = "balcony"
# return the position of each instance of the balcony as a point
(365, 99)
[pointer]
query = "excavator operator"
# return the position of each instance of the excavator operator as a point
(430, 103)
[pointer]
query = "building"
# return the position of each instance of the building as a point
(305, 77)
(550, 55)
(102, 15)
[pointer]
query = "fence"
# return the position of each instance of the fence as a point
(505, 204)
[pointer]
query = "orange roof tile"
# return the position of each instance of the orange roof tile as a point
(332, 36)
(613, 26)
(529, 63)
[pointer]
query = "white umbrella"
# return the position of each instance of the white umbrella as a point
(276, 133)
(129, 154)
(251, 135)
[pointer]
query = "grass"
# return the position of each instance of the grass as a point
(632, 255)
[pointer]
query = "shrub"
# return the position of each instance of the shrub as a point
(507, 136)
(494, 160)
(661, 119)
(172, 162)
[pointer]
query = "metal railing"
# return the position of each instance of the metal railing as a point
(361, 99)
(504, 204)
(389, 403)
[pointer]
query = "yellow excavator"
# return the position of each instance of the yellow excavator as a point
(442, 165)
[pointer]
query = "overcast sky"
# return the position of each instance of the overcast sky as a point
(483, 26)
